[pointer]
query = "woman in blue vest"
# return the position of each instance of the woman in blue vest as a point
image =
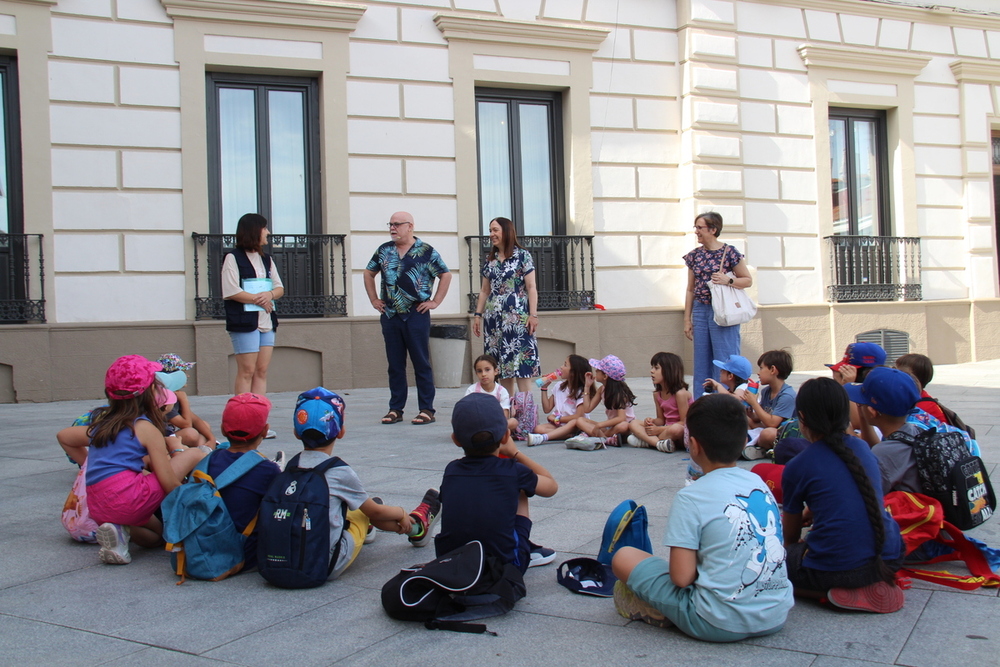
(251, 329)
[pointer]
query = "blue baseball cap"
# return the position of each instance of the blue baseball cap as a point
(737, 365)
(318, 416)
(476, 413)
(889, 390)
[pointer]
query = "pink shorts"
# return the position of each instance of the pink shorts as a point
(127, 497)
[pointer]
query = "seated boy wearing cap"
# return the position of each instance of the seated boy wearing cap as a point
(485, 497)
(884, 400)
(736, 370)
(318, 421)
(726, 579)
(859, 360)
(244, 423)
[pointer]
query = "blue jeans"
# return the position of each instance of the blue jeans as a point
(710, 342)
(409, 333)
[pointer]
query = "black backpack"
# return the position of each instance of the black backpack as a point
(463, 585)
(951, 475)
(293, 532)
(950, 416)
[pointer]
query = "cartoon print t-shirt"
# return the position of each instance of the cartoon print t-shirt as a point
(730, 518)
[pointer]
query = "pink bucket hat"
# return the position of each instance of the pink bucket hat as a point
(611, 365)
(129, 376)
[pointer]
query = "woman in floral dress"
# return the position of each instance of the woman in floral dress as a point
(508, 308)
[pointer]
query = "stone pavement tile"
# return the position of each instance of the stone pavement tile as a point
(17, 467)
(818, 629)
(548, 598)
(532, 640)
(829, 661)
(140, 602)
(954, 630)
(23, 563)
(25, 642)
(157, 657)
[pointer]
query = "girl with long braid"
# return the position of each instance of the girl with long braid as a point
(853, 550)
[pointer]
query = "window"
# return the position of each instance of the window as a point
(519, 141)
(264, 152)
(859, 172)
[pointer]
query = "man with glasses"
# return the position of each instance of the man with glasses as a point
(408, 267)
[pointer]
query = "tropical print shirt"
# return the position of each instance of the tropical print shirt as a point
(406, 280)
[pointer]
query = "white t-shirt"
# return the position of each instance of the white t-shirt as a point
(231, 281)
(564, 405)
(498, 393)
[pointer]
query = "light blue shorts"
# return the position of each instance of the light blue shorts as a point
(245, 342)
(650, 580)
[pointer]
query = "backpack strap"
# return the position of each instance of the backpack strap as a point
(981, 574)
(238, 468)
(906, 438)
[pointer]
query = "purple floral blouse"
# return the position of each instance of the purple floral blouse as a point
(704, 263)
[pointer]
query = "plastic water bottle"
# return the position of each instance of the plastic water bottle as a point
(753, 386)
(551, 377)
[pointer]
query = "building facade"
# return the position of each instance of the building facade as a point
(847, 144)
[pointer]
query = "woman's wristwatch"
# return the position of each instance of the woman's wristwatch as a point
(730, 281)
(477, 314)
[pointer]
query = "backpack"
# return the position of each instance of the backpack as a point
(922, 525)
(950, 416)
(523, 409)
(626, 527)
(293, 539)
(463, 585)
(949, 474)
(197, 526)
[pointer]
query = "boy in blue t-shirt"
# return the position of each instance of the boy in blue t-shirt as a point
(244, 423)
(726, 579)
(485, 497)
(774, 404)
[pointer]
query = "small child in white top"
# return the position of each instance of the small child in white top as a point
(486, 369)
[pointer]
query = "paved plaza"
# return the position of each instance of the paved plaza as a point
(59, 605)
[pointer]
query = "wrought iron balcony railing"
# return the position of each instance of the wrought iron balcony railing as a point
(564, 269)
(874, 268)
(22, 279)
(313, 268)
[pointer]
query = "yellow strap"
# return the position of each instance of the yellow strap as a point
(622, 525)
(180, 567)
(251, 525)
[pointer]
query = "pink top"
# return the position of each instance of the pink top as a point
(671, 415)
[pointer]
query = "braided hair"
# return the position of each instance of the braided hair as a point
(824, 409)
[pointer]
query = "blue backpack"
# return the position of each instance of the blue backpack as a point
(293, 538)
(626, 527)
(197, 526)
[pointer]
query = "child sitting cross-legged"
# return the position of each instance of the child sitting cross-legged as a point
(774, 404)
(485, 497)
(726, 578)
(318, 421)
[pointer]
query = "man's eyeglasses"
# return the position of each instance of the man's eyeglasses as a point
(393, 225)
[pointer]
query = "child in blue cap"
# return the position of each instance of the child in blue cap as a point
(318, 421)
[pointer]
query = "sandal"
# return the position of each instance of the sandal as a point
(392, 417)
(423, 418)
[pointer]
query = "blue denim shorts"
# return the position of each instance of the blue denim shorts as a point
(245, 342)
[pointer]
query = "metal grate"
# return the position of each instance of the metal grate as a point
(895, 343)
(996, 150)
(874, 268)
(22, 279)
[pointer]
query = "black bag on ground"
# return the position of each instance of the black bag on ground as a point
(952, 476)
(463, 585)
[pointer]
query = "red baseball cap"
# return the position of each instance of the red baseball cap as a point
(245, 417)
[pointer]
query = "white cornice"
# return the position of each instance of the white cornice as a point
(318, 14)
(926, 14)
(861, 60)
(460, 27)
(983, 71)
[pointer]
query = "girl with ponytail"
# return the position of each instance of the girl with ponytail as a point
(853, 550)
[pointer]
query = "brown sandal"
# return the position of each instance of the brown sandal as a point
(392, 417)
(423, 418)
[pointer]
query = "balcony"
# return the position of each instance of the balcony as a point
(564, 269)
(22, 279)
(874, 268)
(313, 268)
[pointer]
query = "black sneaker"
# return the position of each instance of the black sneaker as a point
(540, 555)
(426, 513)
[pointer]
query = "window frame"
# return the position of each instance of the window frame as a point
(883, 192)
(12, 137)
(554, 103)
(311, 126)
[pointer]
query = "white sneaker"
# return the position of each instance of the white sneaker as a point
(113, 539)
(667, 446)
(635, 441)
(535, 439)
(585, 443)
(753, 453)
(270, 435)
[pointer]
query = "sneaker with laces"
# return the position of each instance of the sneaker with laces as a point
(372, 531)
(753, 453)
(427, 514)
(585, 443)
(113, 539)
(612, 441)
(535, 439)
(667, 446)
(540, 555)
(631, 606)
(633, 441)
(878, 598)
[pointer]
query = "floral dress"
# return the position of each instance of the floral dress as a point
(505, 319)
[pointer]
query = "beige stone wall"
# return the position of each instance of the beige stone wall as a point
(41, 363)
